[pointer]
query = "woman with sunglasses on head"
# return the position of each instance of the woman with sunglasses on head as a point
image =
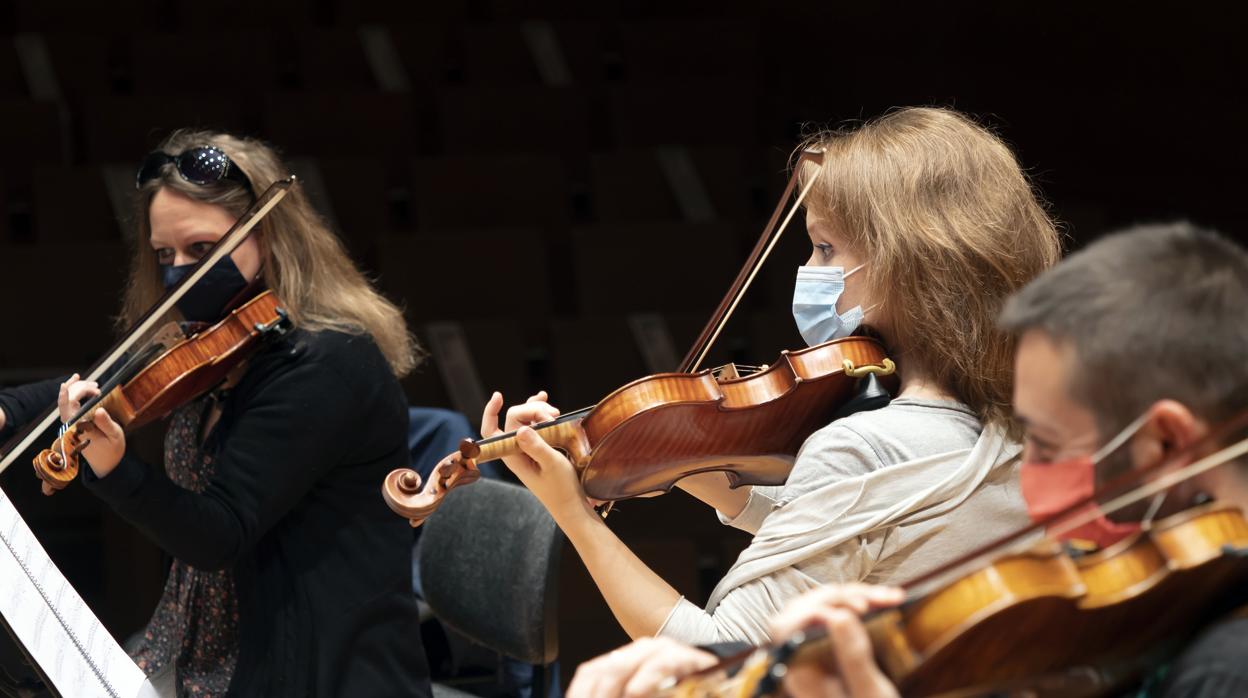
(921, 224)
(290, 577)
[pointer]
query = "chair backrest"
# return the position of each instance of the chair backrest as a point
(489, 568)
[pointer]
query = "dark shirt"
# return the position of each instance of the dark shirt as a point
(1214, 664)
(23, 404)
(321, 565)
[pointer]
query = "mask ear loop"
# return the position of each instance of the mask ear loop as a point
(850, 273)
(1122, 437)
(1116, 443)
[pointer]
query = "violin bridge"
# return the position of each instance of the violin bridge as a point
(726, 372)
(168, 335)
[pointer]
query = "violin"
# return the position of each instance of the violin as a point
(647, 435)
(187, 369)
(644, 437)
(144, 392)
(1042, 621)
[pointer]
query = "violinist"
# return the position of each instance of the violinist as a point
(289, 577)
(921, 223)
(1099, 334)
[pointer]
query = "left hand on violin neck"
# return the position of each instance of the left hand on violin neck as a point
(108, 443)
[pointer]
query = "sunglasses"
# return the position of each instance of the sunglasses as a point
(201, 165)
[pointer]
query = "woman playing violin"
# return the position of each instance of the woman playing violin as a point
(289, 575)
(1090, 365)
(921, 223)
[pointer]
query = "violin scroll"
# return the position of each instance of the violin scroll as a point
(406, 497)
(57, 466)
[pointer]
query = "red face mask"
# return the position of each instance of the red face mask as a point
(1051, 487)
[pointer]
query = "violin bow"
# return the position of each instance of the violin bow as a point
(227, 244)
(762, 249)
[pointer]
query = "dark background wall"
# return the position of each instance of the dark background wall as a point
(551, 176)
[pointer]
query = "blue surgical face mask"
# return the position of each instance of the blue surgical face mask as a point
(814, 304)
(206, 301)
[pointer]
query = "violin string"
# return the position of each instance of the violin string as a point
(1153, 508)
(121, 375)
(754, 271)
(61, 440)
(576, 414)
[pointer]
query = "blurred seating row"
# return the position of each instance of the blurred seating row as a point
(366, 197)
(191, 15)
(579, 361)
(496, 285)
(197, 16)
(760, 54)
(103, 128)
(429, 55)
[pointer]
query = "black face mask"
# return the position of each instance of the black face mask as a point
(208, 299)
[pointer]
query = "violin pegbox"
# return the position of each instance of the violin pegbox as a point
(57, 466)
(406, 496)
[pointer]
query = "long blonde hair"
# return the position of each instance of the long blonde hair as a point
(304, 262)
(949, 227)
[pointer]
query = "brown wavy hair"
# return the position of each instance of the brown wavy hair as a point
(949, 226)
(304, 263)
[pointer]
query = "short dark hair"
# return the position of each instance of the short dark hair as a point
(1152, 312)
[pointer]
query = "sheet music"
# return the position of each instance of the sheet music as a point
(75, 651)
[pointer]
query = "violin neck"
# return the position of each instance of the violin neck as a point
(761, 670)
(113, 402)
(564, 434)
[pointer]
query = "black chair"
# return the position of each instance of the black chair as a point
(489, 569)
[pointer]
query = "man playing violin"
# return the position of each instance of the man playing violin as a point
(1136, 342)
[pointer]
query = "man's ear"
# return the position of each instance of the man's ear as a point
(1170, 427)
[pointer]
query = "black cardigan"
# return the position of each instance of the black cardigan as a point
(322, 567)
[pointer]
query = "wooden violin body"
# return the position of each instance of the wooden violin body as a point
(652, 432)
(644, 437)
(1033, 617)
(181, 373)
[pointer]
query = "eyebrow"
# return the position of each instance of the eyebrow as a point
(1030, 426)
(819, 230)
